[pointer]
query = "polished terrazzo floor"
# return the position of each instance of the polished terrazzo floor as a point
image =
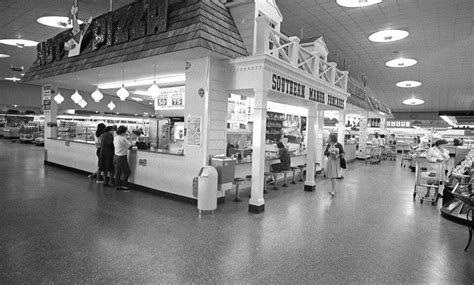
(56, 227)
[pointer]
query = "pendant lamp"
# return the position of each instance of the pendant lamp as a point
(111, 106)
(58, 98)
(97, 95)
(123, 93)
(82, 103)
(76, 97)
(154, 90)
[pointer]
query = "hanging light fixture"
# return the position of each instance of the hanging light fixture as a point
(58, 98)
(123, 93)
(97, 95)
(111, 105)
(82, 103)
(154, 90)
(76, 97)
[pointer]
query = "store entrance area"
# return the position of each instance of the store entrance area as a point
(58, 227)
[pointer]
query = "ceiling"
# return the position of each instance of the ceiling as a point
(440, 39)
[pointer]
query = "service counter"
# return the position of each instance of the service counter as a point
(162, 171)
(244, 168)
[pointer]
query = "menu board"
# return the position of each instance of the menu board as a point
(398, 124)
(46, 94)
(193, 136)
(170, 98)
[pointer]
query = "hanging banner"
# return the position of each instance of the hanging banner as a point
(193, 136)
(170, 98)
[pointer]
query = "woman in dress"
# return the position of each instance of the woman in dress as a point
(334, 151)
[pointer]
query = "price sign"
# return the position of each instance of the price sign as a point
(170, 98)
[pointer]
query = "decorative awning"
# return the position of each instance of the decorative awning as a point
(123, 36)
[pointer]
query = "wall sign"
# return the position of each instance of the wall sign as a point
(290, 87)
(134, 21)
(398, 124)
(170, 98)
(46, 98)
(193, 134)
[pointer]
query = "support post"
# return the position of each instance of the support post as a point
(363, 135)
(263, 36)
(256, 202)
(341, 127)
(309, 184)
(332, 72)
(293, 51)
(320, 136)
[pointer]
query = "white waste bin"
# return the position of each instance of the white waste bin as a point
(207, 190)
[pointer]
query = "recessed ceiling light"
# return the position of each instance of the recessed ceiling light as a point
(388, 36)
(401, 62)
(408, 84)
(14, 79)
(413, 101)
(2, 55)
(56, 22)
(357, 3)
(18, 42)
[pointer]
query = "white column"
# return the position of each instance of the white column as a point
(383, 127)
(256, 202)
(363, 135)
(50, 113)
(263, 36)
(309, 184)
(341, 127)
(320, 136)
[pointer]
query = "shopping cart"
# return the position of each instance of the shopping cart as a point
(391, 152)
(406, 157)
(428, 177)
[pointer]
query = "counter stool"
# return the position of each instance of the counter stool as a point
(266, 176)
(293, 169)
(275, 177)
(248, 178)
(301, 167)
(285, 172)
(237, 181)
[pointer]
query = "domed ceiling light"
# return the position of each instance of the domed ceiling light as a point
(413, 101)
(357, 3)
(20, 43)
(56, 22)
(401, 62)
(388, 36)
(408, 84)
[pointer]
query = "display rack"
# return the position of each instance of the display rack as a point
(274, 126)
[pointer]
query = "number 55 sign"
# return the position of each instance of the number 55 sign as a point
(170, 98)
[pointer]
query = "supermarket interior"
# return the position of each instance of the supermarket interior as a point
(245, 141)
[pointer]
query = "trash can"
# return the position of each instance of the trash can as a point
(226, 169)
(206, 190)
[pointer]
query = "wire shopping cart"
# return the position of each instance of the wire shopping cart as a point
(428, 177)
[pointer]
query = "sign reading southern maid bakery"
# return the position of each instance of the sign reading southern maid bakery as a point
(137, 20)
(297, 89)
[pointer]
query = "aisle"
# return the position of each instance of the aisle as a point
(57, 227)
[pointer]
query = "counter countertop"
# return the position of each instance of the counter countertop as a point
(132, 150)
(269, 159)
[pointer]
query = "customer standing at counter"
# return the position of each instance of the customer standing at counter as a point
(107, 155)
(98, 134)
(334, 151)
(122, 169)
